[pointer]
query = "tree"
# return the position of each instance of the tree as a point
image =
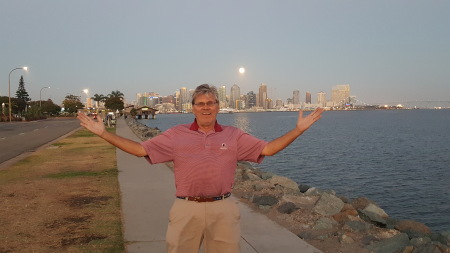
(98, 98)
(116, 94)
(41, 110)
(114, 103)
(50, 107)
(72, 103)
(22, 95)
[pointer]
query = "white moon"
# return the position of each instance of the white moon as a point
(242, 70)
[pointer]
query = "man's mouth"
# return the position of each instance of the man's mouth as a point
(206, 113)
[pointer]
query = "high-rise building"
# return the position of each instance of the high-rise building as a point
(169, 99)
(143, 99)
(289, 101)
(296, 99)
(191, 92)
(262, 96)
(279, 104)
(183, 95)
(308, 98)
(269, 103)
(235, 97)
(322, 99)
(340, 94)
(222, 96)
(177, 100)
(250, 100)
(184, 99)
(147, 99)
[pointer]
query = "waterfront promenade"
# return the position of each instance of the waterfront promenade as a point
(147, 195)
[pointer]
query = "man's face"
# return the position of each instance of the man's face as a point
(205, 110)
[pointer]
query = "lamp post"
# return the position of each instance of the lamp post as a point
(40, 95)
(9, 90)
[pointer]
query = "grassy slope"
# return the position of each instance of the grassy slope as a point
(63, 198)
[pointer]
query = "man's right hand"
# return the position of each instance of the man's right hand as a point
(98, 128)
(95, 126)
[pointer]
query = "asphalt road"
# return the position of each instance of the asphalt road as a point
(17, 138)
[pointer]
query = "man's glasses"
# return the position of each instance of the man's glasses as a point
(208, 104)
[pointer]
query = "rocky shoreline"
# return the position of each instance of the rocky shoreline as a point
(329, 222)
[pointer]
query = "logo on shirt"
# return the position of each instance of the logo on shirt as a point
(223, 146)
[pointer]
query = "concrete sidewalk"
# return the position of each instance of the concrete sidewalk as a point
(148, 192)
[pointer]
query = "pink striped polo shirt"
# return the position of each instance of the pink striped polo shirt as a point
(204, 163)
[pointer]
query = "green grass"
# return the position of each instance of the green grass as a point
(72, 174)
(87, 133)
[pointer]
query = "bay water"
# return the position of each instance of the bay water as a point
(398, 158)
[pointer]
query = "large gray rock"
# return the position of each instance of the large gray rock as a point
(420, 241)
(376, 210)
(313, 191)
(357, 226)
(413, 228)
(285, 182)
(265, 200)
(390, 245)
(303, 188)
(373, 218)
(248, 175)
(287, 208)
(361, 203)
(266, 175)
(260, 185)
(324, 223)
(328, 204)
(443, 237)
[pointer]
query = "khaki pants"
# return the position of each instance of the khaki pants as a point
(216, 224)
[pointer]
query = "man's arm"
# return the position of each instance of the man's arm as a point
(98, 128)
(303, 123)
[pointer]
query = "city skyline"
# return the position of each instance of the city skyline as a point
(234, 99)
(387, 50)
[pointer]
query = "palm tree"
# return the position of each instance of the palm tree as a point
(116, 94)
(98, 98)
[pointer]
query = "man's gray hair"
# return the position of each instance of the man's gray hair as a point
(205, 89)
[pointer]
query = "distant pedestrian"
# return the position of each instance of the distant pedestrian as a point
(205, 156)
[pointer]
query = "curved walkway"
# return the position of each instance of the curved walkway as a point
(147, 195)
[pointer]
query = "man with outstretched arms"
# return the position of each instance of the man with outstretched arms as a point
(205, 156)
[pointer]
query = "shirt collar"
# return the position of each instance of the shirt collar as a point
(195, 127)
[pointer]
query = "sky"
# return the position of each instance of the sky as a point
(386, 50)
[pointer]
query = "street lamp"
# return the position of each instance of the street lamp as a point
(9, 90)
(40, 95)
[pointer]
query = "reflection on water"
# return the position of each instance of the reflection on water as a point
(243, 122)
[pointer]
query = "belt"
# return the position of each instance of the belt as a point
(206, 199)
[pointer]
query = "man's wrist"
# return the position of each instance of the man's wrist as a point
(103, 133)
(298, 131)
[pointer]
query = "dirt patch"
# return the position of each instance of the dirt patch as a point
(81, 240)
(81, 201)
(67, 221)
